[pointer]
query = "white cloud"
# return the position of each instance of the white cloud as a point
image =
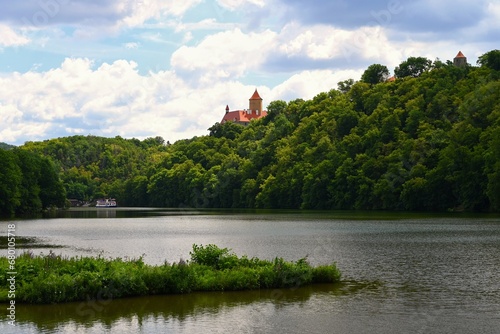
(112, 99)
(8, 37)
(187, 37)
(235, 4)
(206, 24)
(115, 99)
(126, 14)
(91, 18)
(318, 45)
(73, 96)
(155, 37)
(16, 129)
(226, 54)
(489, 25)
(307, 84)
(326, 42)
(131, 45)
(141, 11)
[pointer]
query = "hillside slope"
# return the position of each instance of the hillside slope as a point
(430, 142)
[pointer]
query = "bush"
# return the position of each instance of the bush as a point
(292, 274)
(213, 256)
(325, 274)
(54, 279)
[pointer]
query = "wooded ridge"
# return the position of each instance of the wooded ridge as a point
(429, 141)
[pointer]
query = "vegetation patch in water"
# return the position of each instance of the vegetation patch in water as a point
(55, 279)
(27, 242)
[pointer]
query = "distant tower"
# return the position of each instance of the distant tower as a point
(460, 60)
(256, 102)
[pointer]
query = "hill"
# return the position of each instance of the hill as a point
(93, 167)
(424, 141)
(5, 146)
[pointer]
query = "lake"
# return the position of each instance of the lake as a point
(401, 273)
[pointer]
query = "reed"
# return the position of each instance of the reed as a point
(54, 279)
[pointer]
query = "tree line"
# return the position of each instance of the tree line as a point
(428, 140)
(29, 183)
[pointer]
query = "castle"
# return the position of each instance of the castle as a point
(243, 117)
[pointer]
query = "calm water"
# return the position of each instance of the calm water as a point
(401, 273)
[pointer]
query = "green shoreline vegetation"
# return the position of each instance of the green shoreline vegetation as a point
(57, 279)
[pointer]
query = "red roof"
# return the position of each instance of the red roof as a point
(242, 116)
(460, 55)
(256, 96)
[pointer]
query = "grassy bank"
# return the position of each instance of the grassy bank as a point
(55, 279)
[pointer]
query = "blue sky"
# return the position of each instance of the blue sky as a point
(168, 68)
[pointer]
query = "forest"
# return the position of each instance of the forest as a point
(29, 182)
(427, 139)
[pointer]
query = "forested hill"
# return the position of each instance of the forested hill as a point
(5, 146)
(429, 140)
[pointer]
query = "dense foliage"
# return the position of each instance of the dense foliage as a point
(28, 183)
(5, 146)
(429, 140)
(94, 167)
(54, 279)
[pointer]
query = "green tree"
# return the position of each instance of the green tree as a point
(274, 109)
(52, 192)
(345, 86)
(30, 165)
(490, 59)
(135, 192)
(10, 183)
(229, 130)
(356, 93)
(375, 74)
(413, 67)
(492, 167)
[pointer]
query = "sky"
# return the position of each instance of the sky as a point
(147, 68)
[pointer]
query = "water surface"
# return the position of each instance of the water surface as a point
(401, 273)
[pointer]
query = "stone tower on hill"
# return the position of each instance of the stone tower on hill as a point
(460, 60)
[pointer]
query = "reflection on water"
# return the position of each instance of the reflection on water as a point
(413, 274)
(106, 213)
(122, 212)
(136, 313)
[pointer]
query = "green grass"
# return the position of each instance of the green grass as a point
(56, 279)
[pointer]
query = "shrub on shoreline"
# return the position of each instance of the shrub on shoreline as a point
(56, 279)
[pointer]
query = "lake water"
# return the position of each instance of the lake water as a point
(401, 273)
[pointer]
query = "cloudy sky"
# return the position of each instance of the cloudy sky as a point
(145, 68)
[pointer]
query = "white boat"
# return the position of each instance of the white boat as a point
(106, 203)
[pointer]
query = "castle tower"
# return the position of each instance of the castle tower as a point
(255, 103)
(460, 60)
